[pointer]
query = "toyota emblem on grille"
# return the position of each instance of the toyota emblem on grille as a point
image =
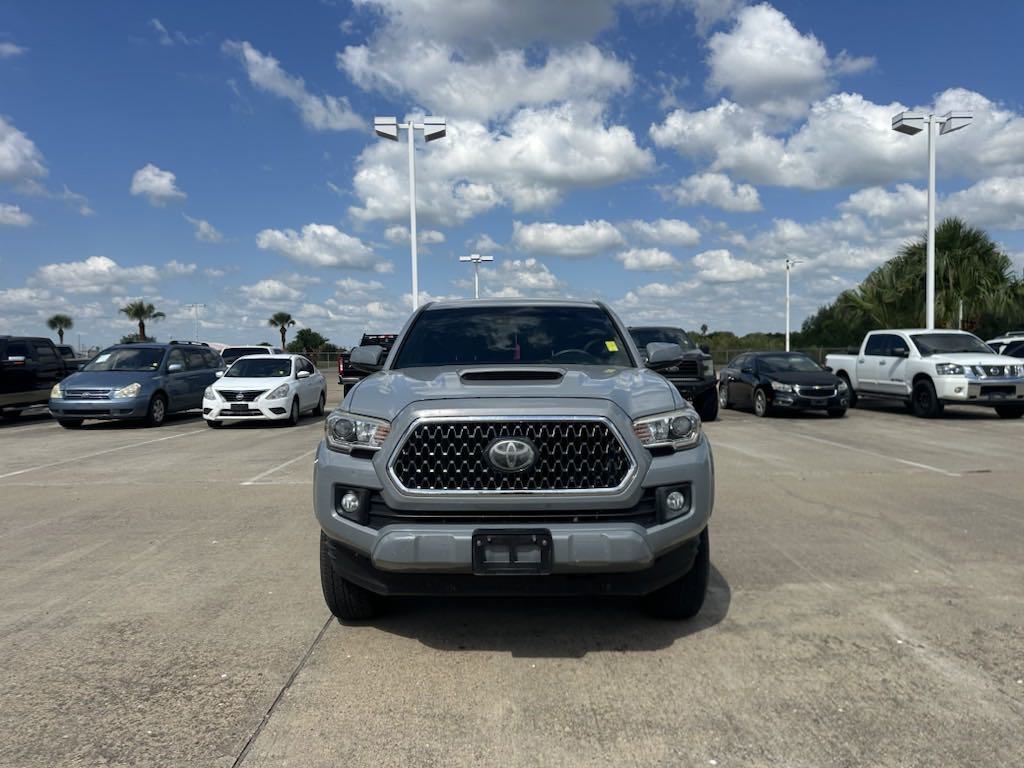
(511, 454)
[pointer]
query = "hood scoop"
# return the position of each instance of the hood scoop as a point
(518, 374)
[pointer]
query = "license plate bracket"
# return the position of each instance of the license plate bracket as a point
(512, 552)
(239, 406)
(819, 401)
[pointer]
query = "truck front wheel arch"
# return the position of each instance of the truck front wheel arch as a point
(924, 402)
(851, 394)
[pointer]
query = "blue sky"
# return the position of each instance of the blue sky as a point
(663, 156)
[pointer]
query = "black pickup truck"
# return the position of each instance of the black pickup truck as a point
(694, 377)
(29, 367)
(349, 374)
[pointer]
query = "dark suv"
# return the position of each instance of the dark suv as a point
(137, 381)
(694, 377)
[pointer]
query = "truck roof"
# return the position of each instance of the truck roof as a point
(517, 302)
(921, 330)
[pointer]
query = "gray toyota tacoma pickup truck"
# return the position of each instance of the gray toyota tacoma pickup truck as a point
(514, 447)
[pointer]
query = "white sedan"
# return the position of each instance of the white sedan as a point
(276, 387)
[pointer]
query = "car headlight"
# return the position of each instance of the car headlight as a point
(56, 391)
(778, 386)
(345, 431)
(676, 430)
(841, 386)
(209, 394)
(278, 393)
(709, 367)
(949, 369)
(132, 390)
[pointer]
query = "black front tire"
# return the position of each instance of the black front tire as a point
(214, 424)
(761, 405)
(156, 414)
(345, 600)
(293, 417)
(1009, 411)
(723, 396)
(707, 406)
(836, 413)
(925, 402)
(11, 415)
(851, 395)
(70, 423)
(684, 597)
(319, 410)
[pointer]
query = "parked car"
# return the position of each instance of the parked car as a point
(765, 381)
(349, 374)
(230, 354)
(1014, 349)
(136, 381)
(273, 387)
(928, 368)
(514, 447)
(29, 368)
(694, 376)
(1000, 343)
(71, 360)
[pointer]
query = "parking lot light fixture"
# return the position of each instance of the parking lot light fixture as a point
(790, 263)
(476, 258)
(911, 123)
(433, 128)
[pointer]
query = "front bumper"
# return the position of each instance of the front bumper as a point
(127, 408)
(796, 402)
(989, 391)
(219, 410)
(693, 389)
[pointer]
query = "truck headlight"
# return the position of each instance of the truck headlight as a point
(709, 367)
(949, 369)
(778, 386)
(132, 390)
(56, 391)
(677, 430)
(841, 386)
(345, 431)
(278, 393)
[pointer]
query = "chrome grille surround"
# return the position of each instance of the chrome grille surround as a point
(815, 390)
(87, 394)
(239, 396)
(565, 444)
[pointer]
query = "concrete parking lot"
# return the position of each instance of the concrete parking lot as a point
(161, 606)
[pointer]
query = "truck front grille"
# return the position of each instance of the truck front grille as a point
(571, 456)
(687, 369)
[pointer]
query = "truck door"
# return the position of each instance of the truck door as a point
(892, 379)
(872, 362)
(51, 367)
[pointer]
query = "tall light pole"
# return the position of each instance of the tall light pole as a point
(433, 128)
(476, 258)
(910, 123)
(195, 309)
(790, 263)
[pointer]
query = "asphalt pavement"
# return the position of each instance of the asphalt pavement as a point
(161, 606)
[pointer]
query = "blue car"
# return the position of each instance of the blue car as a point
(136, 381)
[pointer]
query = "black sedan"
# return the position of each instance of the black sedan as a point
(766, 381)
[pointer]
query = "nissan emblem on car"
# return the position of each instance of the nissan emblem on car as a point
(511, 454)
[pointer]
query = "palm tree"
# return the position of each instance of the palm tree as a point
(142, 311)
(60, 323)
(281, 321)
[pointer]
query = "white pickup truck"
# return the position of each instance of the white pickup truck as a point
(927, 369)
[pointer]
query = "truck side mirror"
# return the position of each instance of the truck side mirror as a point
(705, 349)
(369, 358)
(900, 352)
(661, 355)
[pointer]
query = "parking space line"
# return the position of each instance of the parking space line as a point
(877, 455)
(99, 453)
(254, 480)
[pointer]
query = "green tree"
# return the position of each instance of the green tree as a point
(60, 323)
(281, 321)
(306, 342)
(141, 311)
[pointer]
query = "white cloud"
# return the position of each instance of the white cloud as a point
(321, 113)
(13, 216)
(996, 202)
(483, 244)
(320, 245)
(710, 12)
(158, 186)
(96, 274)
(649, 259)
(512, 278)
(845, 64)
(720, 266)
(665, 232)
(175, 268)
(400, 234)
(718, 190)
(168, 37)
(350, 287)
(269, 291)
(571, 241)
(205, 231)
(20, 160)
(10, 50)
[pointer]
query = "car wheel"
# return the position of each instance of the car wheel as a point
(925, 402)
(70, 423)
(851, 395)
(319, 410)
(345, 600)
(761, 406)
(836, 413)
(293, 417)
(157, 411)
(1009, 411)
(723, 397)
(684, 597)
(707, 406)
(214, 424)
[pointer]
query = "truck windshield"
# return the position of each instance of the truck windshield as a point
(949, 343)
(127, 359)
(513, 335)
(260, 368)
(645, 336)
(791, 363)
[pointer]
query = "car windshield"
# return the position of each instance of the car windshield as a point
(644, 336)
(513, 335)
(260, 368)
(126, 359)
(788, 364)
(230, 354)
(946, 343)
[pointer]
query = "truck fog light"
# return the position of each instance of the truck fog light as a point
(958, 390)
(675, 501)
(350, 503)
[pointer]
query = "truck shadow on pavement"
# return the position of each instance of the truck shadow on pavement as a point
(548, 627)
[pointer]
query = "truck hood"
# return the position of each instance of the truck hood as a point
(637, 391)
(105, 379)
(972, 358)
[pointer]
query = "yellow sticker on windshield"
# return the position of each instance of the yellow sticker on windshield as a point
(611, 346)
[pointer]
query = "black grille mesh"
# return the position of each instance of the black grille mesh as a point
(571, 455)
(247, 395)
